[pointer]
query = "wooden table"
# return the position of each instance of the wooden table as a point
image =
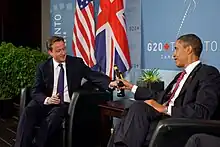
(108, 110)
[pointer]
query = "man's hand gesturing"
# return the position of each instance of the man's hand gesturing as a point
(54, 99)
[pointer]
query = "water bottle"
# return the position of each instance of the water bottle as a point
(120, 92)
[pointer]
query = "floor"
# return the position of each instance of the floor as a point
(8, 128)
(7, 131)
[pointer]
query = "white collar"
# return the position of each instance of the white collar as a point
(191, 66)
(56, 64)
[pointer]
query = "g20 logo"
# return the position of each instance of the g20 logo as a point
(208, 46)
(159, 46)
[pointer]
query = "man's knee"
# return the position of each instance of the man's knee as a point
(197, 138)
(141, 107)
(56, 116)
(138, 106)
(31, 110)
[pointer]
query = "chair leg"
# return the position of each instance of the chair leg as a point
(64, 140)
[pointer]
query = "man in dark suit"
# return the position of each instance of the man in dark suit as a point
(203, 140)
(194, 93)
(56, 80)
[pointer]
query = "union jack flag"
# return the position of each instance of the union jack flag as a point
(84, 32)
(111, 39)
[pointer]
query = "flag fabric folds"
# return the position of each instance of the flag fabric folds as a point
(111, 39)
(83, 42)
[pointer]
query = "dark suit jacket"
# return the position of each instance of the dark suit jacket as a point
(75, 71)
(199, 97)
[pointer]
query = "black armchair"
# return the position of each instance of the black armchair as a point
(25, 98)
(83, 125)
(175, 132)
(84, 128)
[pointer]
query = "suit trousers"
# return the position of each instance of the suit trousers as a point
(136, 126)
(203, 140)
(49, 118)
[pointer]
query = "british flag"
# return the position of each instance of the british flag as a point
(111, 39)
(84, 32)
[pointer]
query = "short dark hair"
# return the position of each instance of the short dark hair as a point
(52, 40)
(194, 41)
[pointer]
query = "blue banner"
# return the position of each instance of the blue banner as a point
(134, 29)
(164, 21)
(134, 32)
(62, 12)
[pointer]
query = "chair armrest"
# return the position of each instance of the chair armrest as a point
(176, 131)
(71, 114)
(23, 98)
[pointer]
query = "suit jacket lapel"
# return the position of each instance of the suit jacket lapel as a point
(189, 79)
(52, 73)
(168, 89)
(49, 75)
(68, 73)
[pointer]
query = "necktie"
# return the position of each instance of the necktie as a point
(176, 86)
(60, 86)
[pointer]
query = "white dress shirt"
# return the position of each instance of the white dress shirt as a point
(188, 70)
(56, 76)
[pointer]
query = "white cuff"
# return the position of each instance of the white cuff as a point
(134, 88)
(46, 101)
(110, 87)
(169, 109)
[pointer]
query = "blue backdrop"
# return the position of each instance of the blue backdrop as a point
(62, 20)
(164, 21)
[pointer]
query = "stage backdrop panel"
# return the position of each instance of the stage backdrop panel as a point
(62, 12)
(164, 21)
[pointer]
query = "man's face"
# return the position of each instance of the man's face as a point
(180, 54)
(58, 51)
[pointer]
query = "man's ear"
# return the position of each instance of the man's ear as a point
(189, 49)
(50, 52)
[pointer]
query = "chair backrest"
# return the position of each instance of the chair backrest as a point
(84, 116)
(216, 115)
